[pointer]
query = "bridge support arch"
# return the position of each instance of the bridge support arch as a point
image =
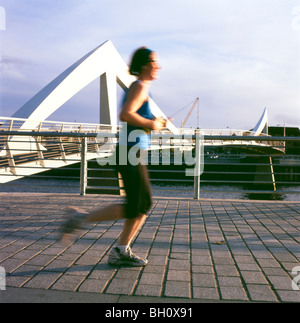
(103, 62)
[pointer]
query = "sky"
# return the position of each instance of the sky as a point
(236, 56)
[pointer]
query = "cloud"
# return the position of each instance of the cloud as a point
(11, 67)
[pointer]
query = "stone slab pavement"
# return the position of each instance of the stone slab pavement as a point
(198, 251)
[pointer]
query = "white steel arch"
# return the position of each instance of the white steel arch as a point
(103, 62)
(262, 125)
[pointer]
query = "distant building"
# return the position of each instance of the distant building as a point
(292, 147)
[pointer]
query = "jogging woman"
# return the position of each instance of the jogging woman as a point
(136, 115)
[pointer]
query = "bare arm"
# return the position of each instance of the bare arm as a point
(136, 97)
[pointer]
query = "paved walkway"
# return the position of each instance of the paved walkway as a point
(198, 251)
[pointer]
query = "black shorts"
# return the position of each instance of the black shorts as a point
(137, 187)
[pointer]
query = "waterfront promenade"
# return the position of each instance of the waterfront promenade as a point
(198, 251)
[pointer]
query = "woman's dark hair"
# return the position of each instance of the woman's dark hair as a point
(139, 59)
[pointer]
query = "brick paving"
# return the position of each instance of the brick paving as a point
(198, 251)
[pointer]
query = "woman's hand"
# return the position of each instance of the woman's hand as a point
(159, 123)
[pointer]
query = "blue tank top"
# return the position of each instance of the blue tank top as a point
(137, 135)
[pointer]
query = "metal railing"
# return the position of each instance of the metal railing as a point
(248, 165)
(10, 124)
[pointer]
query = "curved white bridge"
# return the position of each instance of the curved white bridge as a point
(33, 155)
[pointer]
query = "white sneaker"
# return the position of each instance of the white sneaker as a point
(127, 258)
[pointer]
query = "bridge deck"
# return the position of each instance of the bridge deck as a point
(206, 250)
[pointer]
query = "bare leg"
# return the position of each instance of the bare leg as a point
(116, 212)
(110, 213)
(78, 216)
(131, 227)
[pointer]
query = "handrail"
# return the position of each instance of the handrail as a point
(52, 122)
(41, 155)
(153, 135)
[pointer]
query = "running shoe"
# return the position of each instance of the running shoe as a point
(127, 258)
(75, 220)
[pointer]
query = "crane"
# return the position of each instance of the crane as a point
(190, 112)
